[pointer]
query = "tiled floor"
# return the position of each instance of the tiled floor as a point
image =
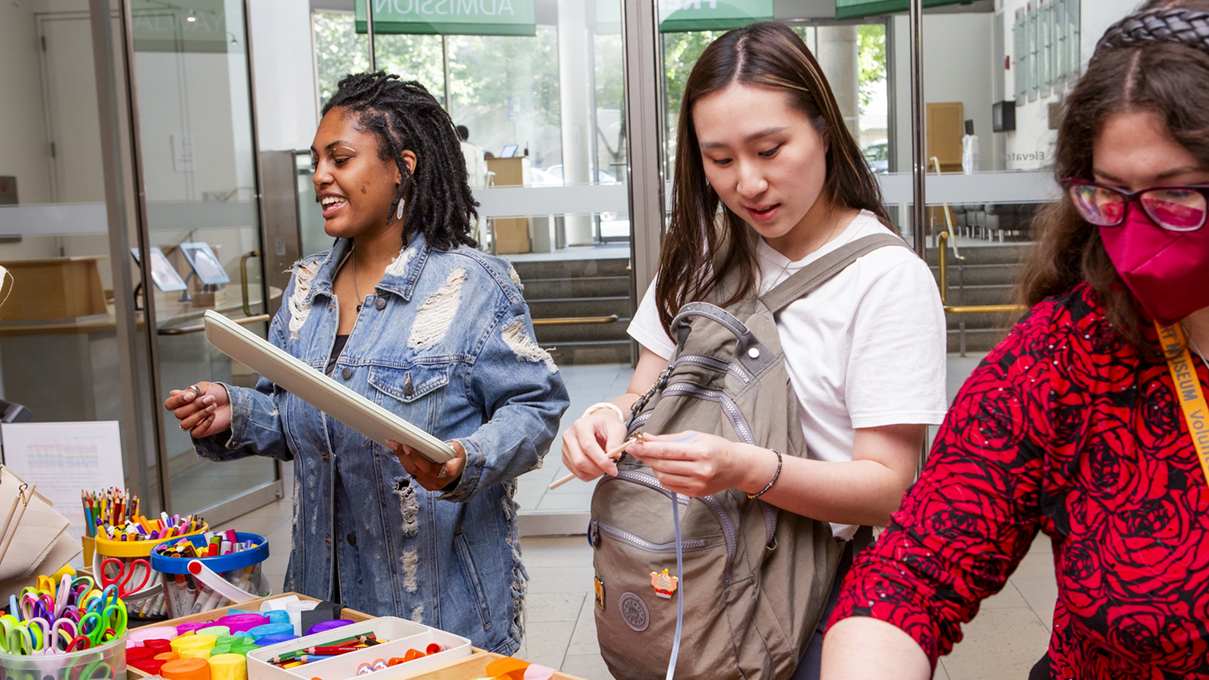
(1008, 636)
(587, 385)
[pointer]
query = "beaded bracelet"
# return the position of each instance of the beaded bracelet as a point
(774, 477)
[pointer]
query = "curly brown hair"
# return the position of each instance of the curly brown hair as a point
(1133, 69)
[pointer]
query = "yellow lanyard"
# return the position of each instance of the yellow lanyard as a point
(1188, 389)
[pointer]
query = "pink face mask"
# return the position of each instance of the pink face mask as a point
(1167, 271)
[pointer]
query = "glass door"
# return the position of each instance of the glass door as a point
(201, 231)
(539, 91)
(60, 338)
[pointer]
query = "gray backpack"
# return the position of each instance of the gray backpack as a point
(755, 579)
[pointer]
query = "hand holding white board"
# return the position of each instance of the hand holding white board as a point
(320, 391)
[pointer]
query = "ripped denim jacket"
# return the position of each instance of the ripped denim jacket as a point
(447, 343)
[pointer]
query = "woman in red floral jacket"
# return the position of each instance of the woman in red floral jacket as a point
(1073, 425)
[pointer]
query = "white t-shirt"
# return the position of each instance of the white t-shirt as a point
(865, 349)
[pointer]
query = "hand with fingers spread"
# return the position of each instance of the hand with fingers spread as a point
(697, 464)
(203, 409)
(586, 443)
(430, 475)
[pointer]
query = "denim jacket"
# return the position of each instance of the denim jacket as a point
(447, 343)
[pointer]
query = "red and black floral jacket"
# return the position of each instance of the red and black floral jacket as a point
(1066, 429)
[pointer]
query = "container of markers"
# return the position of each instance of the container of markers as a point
(185, 594)
(146, 602)
(103, 661)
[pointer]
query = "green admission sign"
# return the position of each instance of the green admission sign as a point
(711, 15)
(855, 9)
(450, 17)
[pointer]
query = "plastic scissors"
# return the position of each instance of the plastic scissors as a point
(125, 574)
(8, 633)
(63, 631)
(33, 637)
(70, 613)
(80, 587)
(37, 607)
(103, 599)
(79, 643)
(103, 620)
(96, 670)
(92, 629)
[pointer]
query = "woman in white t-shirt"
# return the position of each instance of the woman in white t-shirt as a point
(767, 171)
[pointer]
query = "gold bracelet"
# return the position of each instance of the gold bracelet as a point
(774, 477)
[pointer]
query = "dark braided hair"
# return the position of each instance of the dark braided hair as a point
(1174, 25)
(405, 117)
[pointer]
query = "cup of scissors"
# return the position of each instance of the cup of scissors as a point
(86, 641)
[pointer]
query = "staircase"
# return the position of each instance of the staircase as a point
(580, 288)
(601, 287)
(987, 276)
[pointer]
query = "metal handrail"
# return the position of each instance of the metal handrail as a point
(982, 309)
(185, 330)
(7, 331)
(243, 279)
(575, 320)
(941, 242)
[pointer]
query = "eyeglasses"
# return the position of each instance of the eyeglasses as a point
(1178, 208)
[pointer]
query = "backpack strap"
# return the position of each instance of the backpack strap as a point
(823, 269)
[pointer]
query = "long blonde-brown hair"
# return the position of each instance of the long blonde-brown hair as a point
(699, 249)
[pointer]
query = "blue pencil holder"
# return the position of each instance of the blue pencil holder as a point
(186, 594)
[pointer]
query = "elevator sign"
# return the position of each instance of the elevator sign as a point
(709, 15)
(450, 17)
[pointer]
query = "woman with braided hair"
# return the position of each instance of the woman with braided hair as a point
(403, 310)
(1088, 422)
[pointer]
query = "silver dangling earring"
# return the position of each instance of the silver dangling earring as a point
(399, 210)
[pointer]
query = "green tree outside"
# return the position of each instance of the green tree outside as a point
(870, 60)
(339, 51)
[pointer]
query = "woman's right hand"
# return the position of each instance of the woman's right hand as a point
(202, 412)
(585, 444)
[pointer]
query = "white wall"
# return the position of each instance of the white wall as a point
(1097, 16)
(1030, 147)
(24, 151)
(957, 67)
(284, 72)
(24, 139)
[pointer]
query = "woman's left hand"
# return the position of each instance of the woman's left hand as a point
(427, 473)
(693, 463)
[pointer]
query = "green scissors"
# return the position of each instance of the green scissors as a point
(91, 667)
(9, 636)
(33, 637)
(104, 625)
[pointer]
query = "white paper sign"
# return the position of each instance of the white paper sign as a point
(64, 459)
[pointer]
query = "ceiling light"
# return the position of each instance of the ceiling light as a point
(192, 17)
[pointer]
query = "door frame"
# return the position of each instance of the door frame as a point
(143, 436)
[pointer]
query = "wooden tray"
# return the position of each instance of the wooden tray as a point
(133, 673)
(468, 668)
